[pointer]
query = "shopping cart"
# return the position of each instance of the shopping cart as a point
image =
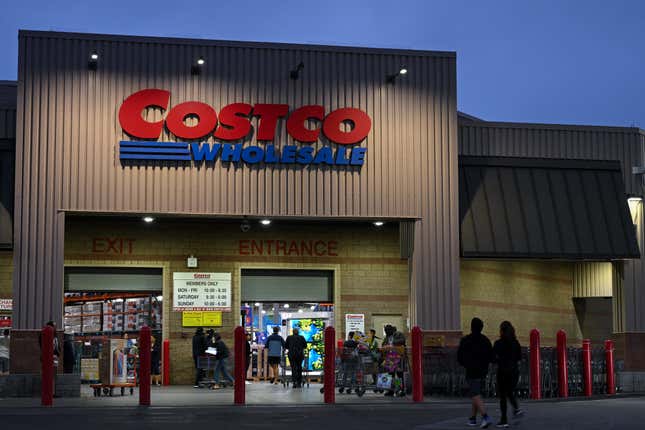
(366, 372)
(206, 366)
(396, 363)
(347, 377)
(286, 373)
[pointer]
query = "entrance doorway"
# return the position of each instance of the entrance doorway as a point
(287, 299)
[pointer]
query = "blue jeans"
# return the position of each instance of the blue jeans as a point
(220, 367)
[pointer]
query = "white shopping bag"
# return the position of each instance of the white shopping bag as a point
(384, 381)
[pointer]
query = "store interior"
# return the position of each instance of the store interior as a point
(104, 312)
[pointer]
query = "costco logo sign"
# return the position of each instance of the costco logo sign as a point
(345, 128)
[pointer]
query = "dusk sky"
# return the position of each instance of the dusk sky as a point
(555, 61)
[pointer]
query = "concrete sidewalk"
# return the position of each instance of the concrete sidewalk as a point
(258, 394)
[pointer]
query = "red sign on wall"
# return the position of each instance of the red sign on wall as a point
(291, 248)
(112, 245)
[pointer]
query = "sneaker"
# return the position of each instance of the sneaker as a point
(502, 425)
(472, 422)
(195, 386)
(215, 387)
(486, 422)
(518, 413)
(247, 382)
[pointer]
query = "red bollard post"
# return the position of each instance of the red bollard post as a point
(144, 366)
(563, 377)
(586, 366)
(329, 382)
(417, 364)
(609, 366)
(240, 366)
(166, 362)
(47, 366)
(534, 365)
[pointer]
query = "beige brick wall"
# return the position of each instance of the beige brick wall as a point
(529, 294)
(369, 275)
(6, 274)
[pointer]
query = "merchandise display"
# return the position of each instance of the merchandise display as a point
(106, 313)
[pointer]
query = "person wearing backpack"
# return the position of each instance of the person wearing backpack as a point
(295, 346)
(475, 353)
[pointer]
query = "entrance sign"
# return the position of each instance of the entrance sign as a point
(354, 322)
(201, 319)
(193, 291)
(342, 127)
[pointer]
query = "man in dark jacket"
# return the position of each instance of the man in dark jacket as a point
(475, 354)
(199, 348)
(221, 361)
(296, 345)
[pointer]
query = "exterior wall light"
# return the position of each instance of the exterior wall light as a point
(391, 78)
(378, 223)
(197, 67)
(313, 307)
(295, 73)
(265, 222)
(93, 61)
(148, 219)
(300, 311)
(286, 306)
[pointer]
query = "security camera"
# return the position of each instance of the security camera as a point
(245, 226)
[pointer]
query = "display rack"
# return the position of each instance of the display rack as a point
(109, 314)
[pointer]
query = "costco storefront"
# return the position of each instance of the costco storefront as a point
(182, 183)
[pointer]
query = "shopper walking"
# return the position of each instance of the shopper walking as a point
(69, 356)
(296, 346)
(274, 345)
(349, 360)
(4, 353)
(507, 353)
(372, 343)
(475, 354)
(199, 348)
(249, 357)
(155, 361)
(221, 361)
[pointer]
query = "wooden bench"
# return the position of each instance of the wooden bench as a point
(108, 389)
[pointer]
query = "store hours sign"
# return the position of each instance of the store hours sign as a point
(193, 291)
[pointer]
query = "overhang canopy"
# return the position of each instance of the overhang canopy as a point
(544, 208)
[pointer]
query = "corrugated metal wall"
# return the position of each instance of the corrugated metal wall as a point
(626, 145)
(593, 279)
(68, 155)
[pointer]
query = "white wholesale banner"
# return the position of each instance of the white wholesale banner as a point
(196, 291)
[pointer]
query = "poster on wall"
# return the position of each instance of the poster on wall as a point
(193, 291)
(118, 361)
(354, 322)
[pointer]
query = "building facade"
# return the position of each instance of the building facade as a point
(323, 181)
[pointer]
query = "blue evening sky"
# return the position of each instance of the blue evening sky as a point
(563, 61)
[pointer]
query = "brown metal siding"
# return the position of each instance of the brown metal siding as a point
(68, 154)
(579, 142)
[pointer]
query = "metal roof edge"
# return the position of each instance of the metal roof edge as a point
(546, 126)
(232, 43)
(549, 163)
